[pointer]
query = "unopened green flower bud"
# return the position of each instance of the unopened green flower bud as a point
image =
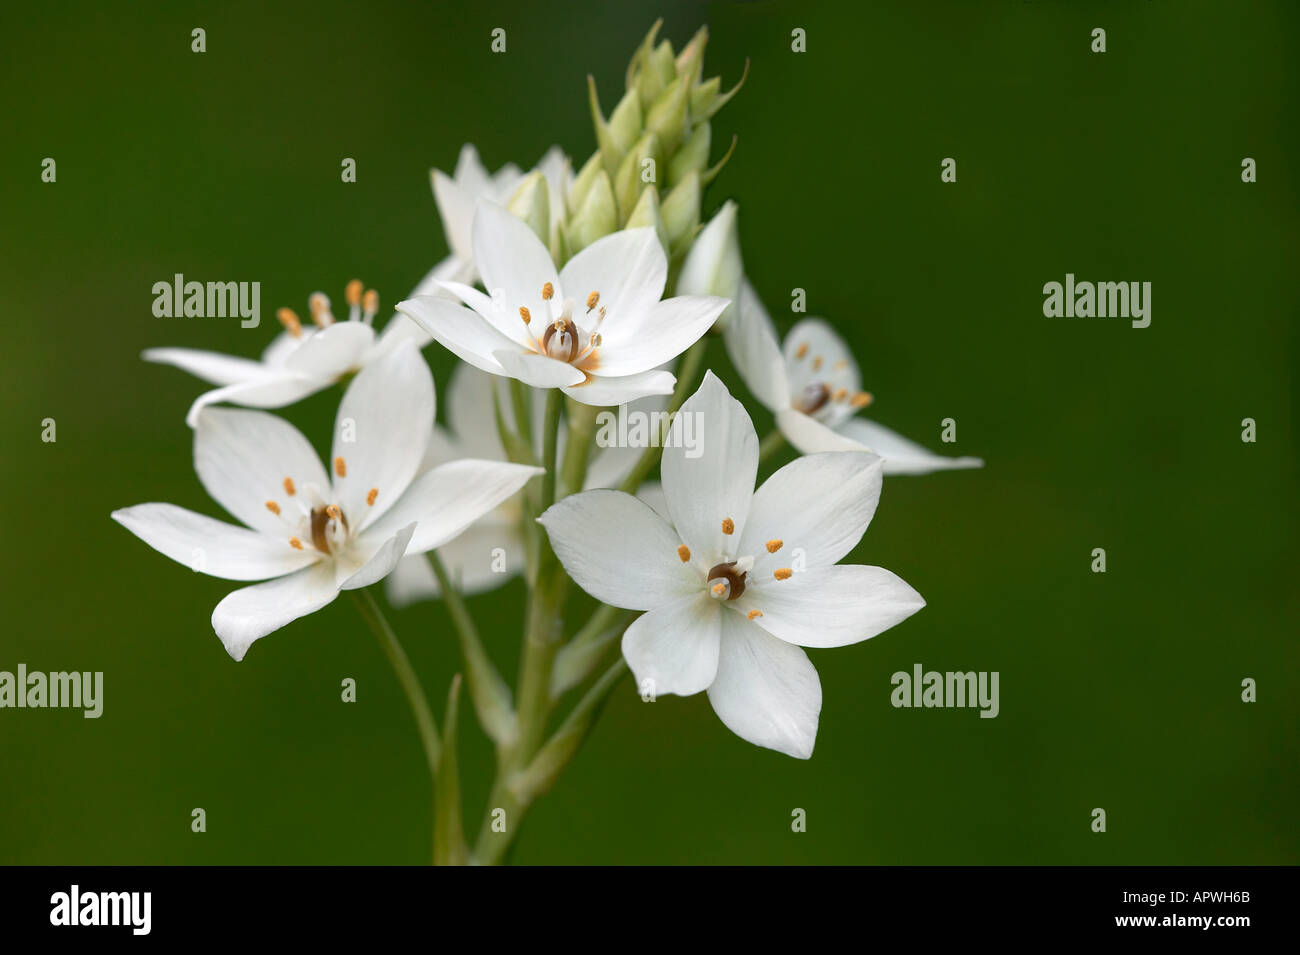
(646, 214)
(616, 136)
(667, 117)
(531, 202)
(693, 156)
(582, 182)
(598, 215)
(639, 167)
(681, 213)
(714, 265)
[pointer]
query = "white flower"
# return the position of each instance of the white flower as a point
(301, 361)
(319, 532)
(737, 580)
(491, 551)
(602, 347)
(457, 195)
(814, 388)
(714, 266)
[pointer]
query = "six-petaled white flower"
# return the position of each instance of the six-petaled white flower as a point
(457, 195)
(738, 580)
(491, 551)
(316, 531)
(597, 329)
(814, 387)
(302, 360)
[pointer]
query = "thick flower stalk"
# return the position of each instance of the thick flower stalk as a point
(564, 294)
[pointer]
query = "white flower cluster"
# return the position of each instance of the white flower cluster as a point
(590, 288)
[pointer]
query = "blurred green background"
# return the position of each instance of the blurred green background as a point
(1119, 691)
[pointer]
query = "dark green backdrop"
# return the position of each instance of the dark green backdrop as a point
(1119, 691)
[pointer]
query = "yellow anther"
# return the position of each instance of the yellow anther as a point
(370, 303)
(719, 588)
(593, 300)
(774, 545)
(861, 399)
(526, 315)
(841, 394)
(352, 294)
(340, 467)
(295, 543)
(334, 512)
(754, 613)
(273, 507)
(370, 497)
(782, 573)
(684, 553)
(728, 526)
(817, 363)
(548, 292)
(289, 488)
(318, 304)
(290, 321)
(801, 350)
(840, 365)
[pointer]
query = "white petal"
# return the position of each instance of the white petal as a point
(456, 209)
(818, 506)
(378, 564)
(332, 351)
(471, 558)
(713, 266)
(412, 580)
(470, 172)
(209, 365)
(271, 391)
(462, 332)
(451, 497)
(537, 370)
(708, 469)
(652, 492)
(243, 458)
(383, 426)
(511, 259)
(811, 436)
(607, 392)
(901, 455)
(450, 269)
(658, 335)
(755, 352)
(285, 344)
(209, 546)
(766, 690)
(675, 647)
(628, 268)
(830, 606)
(497, 312)
(837, 369)
(253, 612)
(619, 550)
(472, 413)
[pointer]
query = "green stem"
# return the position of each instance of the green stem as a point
(577, 449)
(401, 664)
(550, 439)
(487, 688)
(521, 403)
(771, 444)
(687, 375)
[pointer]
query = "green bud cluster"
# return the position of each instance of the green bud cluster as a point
(652, 158)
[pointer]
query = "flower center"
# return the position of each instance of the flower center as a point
(563, 340)
(329, 528)
(726, 580)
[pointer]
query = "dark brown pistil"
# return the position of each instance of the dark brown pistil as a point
(727, 571)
